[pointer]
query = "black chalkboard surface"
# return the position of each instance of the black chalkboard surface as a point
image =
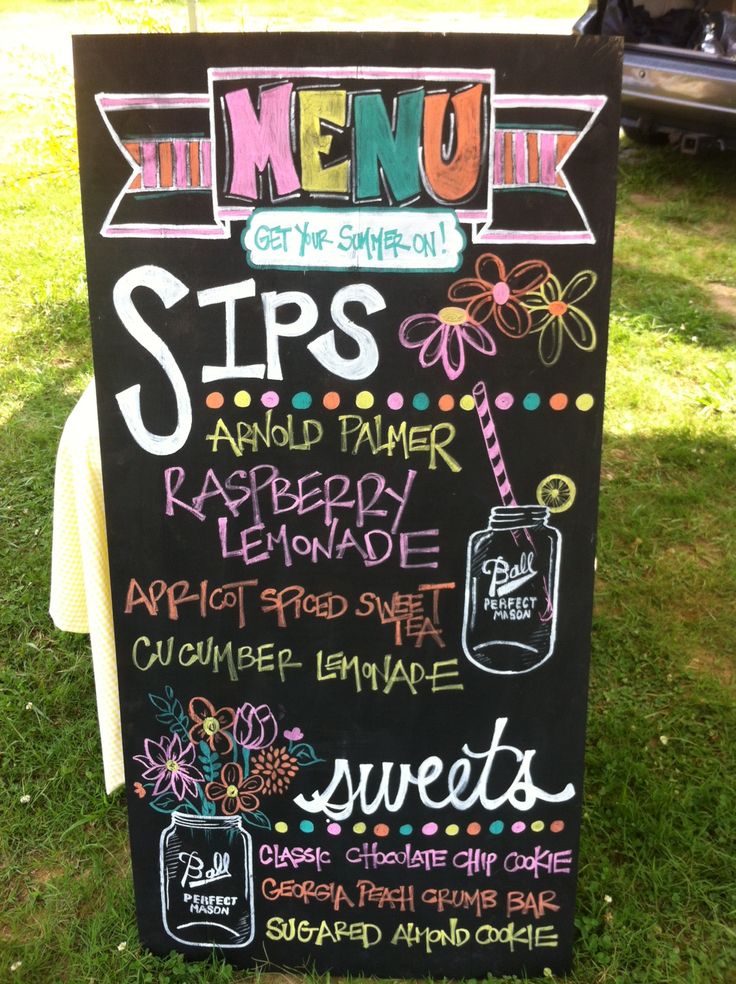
(349, 298)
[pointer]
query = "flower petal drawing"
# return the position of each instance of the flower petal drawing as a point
(494, 295)
(417, 329)
(527, 276)
(442, 337)
(479, 338)
(490, 269)
(477, 295)
(580, 286)
(579, 328)
(550, 342)
(453, 354)
(432, 349)
(513, 319)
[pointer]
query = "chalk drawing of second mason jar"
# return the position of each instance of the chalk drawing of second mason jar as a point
(207, 881)
(511, 591)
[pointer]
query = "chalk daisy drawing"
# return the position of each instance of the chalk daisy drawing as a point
(556, 315)
(527, 300)
(442, 338)
(496, 295)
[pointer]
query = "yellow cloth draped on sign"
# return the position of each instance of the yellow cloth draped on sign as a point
(80, 576)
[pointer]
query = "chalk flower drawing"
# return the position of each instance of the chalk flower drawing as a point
(442, 337)
(210, 725)
(170, 766)
(277, 768)
(236, 793)
(527, 300)
(495, 295)
(555, 314)
(203, 765)
(255, 727)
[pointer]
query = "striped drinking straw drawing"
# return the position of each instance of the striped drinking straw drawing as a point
(498, 465)
(490, 439)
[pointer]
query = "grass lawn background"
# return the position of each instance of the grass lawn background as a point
(657, 883)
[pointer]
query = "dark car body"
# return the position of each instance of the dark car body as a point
(686, 95)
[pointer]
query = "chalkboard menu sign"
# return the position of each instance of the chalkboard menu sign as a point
(349, 298)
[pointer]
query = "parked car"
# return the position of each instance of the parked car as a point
(679, 80)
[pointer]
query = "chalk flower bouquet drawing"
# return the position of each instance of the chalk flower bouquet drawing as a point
(526, 300)
(219, 759)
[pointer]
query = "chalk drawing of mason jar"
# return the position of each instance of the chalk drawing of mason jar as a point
(511, 591)
(207, 881)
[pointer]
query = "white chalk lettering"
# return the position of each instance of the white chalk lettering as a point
(388, 787)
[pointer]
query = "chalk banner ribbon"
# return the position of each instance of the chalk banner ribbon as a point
(407, 240)
(309, 142)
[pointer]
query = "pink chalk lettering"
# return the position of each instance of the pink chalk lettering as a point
(260, 140)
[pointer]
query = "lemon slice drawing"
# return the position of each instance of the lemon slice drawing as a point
(556, 492)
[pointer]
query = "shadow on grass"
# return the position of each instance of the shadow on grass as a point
(675, 244)
(675, 304)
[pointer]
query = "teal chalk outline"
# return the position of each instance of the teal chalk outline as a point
(534, 189)
(319, 209)
(145, 196)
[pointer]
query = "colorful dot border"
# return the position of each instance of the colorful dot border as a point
(428, 829)
(303, 401)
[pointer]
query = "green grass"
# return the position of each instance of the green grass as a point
(231, 15)
(659, 828)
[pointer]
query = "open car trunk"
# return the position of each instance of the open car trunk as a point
(679, 67)
(709, 28)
